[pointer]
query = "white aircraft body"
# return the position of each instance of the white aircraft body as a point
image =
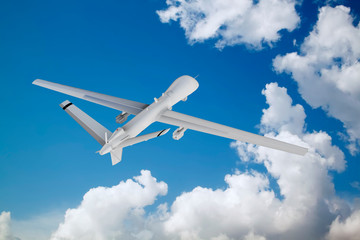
(158, 111)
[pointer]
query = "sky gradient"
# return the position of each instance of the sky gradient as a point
(293, 75)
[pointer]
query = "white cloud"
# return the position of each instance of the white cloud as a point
(5, 231)
(118, 212)
(248, 208)
(232, 22)
(327, 69)
(281, 115)
(346, 230)
(288, 121)
(204, 213)
(112, 213)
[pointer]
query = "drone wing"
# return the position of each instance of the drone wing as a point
(121, 104)
(197, 124)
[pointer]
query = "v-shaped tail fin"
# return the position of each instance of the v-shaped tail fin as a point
(116, 155)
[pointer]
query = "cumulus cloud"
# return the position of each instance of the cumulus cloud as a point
(247, 203)
(327, 68)
(346, 230)
(249, 207)
(5, 231)
(112, 213)
(232, 22)
(281, 115)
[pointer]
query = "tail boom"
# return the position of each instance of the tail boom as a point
(95, 129)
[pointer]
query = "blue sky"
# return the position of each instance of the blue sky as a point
(121, 48)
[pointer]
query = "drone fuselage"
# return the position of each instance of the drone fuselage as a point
(179, 90)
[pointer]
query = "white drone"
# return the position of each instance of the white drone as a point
(158, 111)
